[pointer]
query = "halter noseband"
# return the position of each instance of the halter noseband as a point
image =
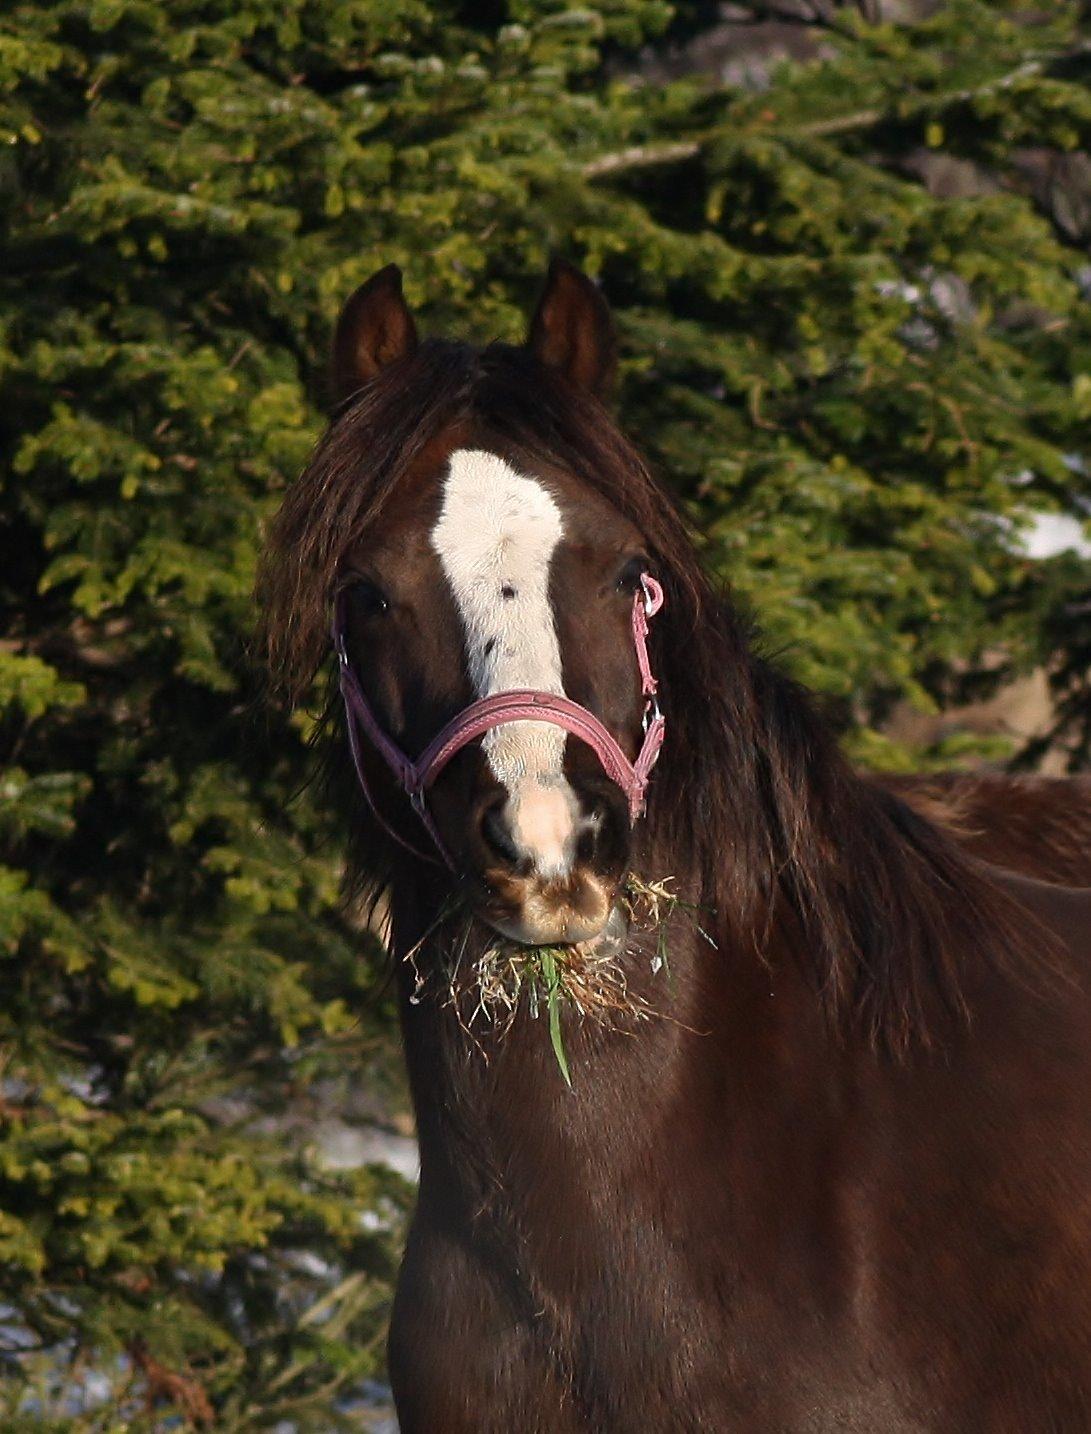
(518, 705)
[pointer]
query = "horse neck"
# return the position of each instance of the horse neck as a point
(497, 1123)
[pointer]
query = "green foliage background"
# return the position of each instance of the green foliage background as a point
(859, 389)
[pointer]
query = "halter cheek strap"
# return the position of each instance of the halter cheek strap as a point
(517, 705)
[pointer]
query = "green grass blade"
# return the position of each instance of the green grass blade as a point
(553, 1006)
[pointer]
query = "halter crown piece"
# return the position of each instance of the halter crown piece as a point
(518, 705)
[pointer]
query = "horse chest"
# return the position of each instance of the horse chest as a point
(584, 1304)
(634, 1344)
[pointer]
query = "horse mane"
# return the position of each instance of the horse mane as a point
(752, 791)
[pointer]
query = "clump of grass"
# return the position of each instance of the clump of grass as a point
(589, 977)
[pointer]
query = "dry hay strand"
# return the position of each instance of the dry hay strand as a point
(590, 977)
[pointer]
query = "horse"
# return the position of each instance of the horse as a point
(826, 1166)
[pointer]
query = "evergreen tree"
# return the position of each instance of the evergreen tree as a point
(858, 388)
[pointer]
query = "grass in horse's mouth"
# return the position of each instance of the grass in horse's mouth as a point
(590, 975)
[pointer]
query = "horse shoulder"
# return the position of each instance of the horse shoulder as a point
(464, 1356)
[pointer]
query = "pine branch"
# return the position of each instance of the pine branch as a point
(649, 156)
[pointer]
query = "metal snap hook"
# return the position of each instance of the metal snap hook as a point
(653, 594)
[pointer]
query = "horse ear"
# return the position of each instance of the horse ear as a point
(375, 329)
(572, 329)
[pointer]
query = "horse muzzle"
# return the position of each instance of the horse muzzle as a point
(537, 912)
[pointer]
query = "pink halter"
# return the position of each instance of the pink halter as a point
(518, 705)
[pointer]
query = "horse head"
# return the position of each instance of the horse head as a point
(482, 587)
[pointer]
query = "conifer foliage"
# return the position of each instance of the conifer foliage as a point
(859, 388)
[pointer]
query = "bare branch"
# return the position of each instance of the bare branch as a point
(641, 156)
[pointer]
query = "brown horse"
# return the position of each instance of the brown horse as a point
(840, 1179)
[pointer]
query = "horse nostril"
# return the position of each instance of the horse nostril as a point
(497, 835)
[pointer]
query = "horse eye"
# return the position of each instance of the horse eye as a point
(367, 599)
(630, 575)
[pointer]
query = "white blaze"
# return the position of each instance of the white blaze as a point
(496, 535)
